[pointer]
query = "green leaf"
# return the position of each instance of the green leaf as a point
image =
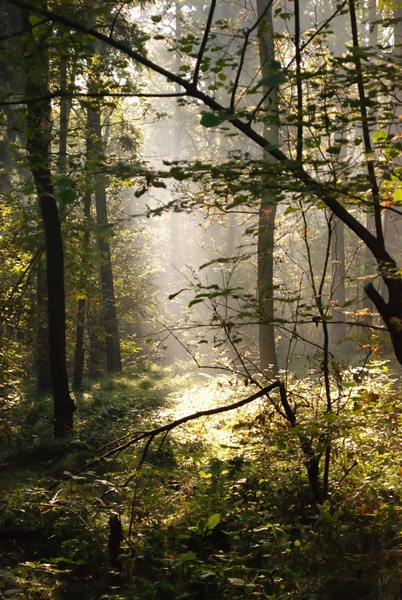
(272, 80)
(196, 301)
(361, 53)
(334, 150)
(291, 209)
(379, 137)
(65, 189)
(67, 196)
(213, 521)
(285, 15)
(398, 195)
(209, 119)
(35, 20)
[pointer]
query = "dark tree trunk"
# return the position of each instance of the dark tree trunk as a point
(43, 379)
(390, 311)
(38, 144)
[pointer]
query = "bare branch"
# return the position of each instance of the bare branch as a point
(247, 34)
(150, 435)
(204, 42)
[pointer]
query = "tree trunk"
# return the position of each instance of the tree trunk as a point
(38, 145)
(79, 349)
(113, 356)
(267, 211)
(43, 378)
(338, 329)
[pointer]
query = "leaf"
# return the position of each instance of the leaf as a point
(379, 137)
(272, 80)
(398, 195)
(140, 192)
(334, 150)
(196, 301)
(67, 196)
(285, 15)
(213, 521)
(171, 296)
(291, 209)
(65, 189)
(209, 119)
(35, 20)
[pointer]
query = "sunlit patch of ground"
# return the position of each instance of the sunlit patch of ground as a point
(215, 430)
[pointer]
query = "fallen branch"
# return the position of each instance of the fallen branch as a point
(167, 428)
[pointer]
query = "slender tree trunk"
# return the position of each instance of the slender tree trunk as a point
(79, 349)
(38, 144)
(338, 329)
(267, 211)
(369, 268)
(43, 378)
(113, 355)
(369, 262)
(177, 144)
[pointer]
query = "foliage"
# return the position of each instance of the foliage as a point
(222, 509)
(297, 495)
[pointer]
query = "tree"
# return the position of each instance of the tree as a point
(267, 210)
(38, 134)
(113, 358)
(335, 196)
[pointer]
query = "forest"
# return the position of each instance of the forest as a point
(201, 299)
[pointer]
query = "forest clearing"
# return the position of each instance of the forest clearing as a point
(201, 299)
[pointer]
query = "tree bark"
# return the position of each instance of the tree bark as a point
(113, 355)
(43, 377)
(338, 297)
(267, 210)
(38, 146)
(79, 349)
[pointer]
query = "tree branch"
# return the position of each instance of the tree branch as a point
(170, 426)
(204, 42)
(311, 185)
(247, 34)
(375, 192)
(299, 87)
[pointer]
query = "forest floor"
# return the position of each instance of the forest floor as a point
(218, 508)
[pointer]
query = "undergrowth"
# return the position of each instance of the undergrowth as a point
(221, 508)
